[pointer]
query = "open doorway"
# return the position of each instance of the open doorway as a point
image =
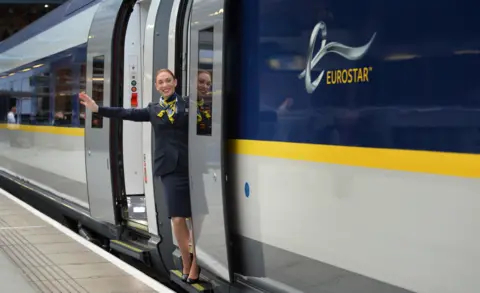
(132, 134)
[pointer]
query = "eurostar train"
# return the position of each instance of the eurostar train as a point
(344, 147)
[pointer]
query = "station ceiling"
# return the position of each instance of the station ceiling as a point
(32, 1)
(17, 14)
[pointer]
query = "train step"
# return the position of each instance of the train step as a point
(203, 287)
(132, 249)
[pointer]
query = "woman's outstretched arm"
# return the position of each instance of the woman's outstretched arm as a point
(125, 114)
(115, 112)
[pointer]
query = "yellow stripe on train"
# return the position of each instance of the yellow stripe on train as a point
(440, 163)
(70, 131)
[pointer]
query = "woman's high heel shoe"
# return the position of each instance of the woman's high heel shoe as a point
(193, 281)
(185, 276)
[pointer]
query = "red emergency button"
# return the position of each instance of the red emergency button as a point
(134, 89)
(134, 100)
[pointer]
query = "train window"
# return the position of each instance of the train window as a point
(41, 91)
(82, 86)
(63, 97)
(14, 89)
(26, 99)
(97, 88)
(3, 102)
(204, 82)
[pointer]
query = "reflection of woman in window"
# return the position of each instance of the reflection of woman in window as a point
(169, 120)
(204, 100)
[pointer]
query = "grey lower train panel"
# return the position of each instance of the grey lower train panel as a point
(266, 268)
(261, 265)
(276, 270)
(76, 190)
(54, 206)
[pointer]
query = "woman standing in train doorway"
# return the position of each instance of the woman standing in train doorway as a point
(169, 119)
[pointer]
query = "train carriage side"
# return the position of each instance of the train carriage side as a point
(353, 139)
(56, 149)
(47, 145)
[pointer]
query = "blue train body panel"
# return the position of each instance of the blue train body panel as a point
(417, 87)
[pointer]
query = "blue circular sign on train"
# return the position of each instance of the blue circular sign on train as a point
(247, 189)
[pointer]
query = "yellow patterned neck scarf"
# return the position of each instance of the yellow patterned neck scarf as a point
(201, 110)
(169, 107)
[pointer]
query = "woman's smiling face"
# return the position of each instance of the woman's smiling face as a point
(165, 84)
(204, 83)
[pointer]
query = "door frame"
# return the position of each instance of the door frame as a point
(103, 146)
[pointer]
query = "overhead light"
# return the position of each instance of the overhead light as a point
(217, 12)
(38, 65)
(26, 69)
(11, 74)
(398, 57)
(46, 5)
(466, 52)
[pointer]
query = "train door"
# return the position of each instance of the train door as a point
(206, 141)
(103, 152)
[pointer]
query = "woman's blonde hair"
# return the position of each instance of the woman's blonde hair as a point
(205, 71)
(167, 71)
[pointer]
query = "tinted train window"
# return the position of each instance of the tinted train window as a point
(97, 88)
(82, 86)
(396, 74)
(47, 89)
(63, 96)
(40, 83)
(204, 82)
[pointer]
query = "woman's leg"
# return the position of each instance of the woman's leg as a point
(194, 269)
(193, 273)
(182, 234)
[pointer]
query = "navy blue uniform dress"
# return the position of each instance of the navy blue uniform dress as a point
(171, 148)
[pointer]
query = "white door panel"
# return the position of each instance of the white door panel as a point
(132, 131)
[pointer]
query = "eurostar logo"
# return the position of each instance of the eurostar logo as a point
(350, 53)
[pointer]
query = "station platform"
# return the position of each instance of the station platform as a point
(38, 254)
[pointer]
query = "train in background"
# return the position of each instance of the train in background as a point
(343, 150)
